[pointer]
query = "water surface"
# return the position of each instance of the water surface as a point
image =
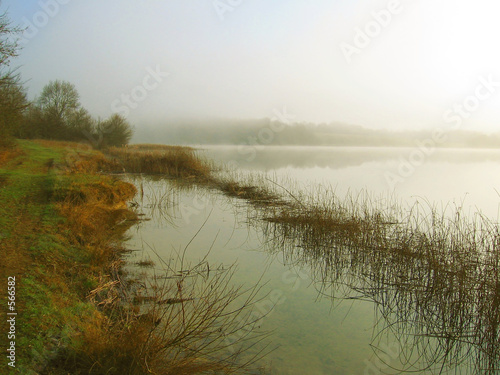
(469, 177)
(313, 333)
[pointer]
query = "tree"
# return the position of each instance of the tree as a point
(115, 131)
(13, 103)
(9, 47)
(58, 103)
(59, 99)
(31, 126)
(12, 97)
(57, 114)
(80, 125)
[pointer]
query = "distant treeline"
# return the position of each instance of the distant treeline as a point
(55, 114)
(267, 132)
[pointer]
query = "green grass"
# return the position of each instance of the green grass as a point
(53, 274)
(62, 224)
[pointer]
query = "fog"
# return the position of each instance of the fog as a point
(397, 65)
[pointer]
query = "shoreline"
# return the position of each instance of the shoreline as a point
(61, 230)
(80, 312)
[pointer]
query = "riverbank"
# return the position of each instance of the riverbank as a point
(63, 219)
(432, 272)
(61, 225)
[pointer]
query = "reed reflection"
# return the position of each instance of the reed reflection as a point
(434, 279)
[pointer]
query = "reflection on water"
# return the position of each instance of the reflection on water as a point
(448, 176)
(278, 157)
(437, 292)
(341, 305)
(310, 338)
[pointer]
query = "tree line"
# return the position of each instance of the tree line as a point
(56, 113)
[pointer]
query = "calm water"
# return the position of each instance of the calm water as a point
(313, 334)
(459, 177)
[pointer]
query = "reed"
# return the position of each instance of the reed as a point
(189, 321)
(177, 319)
(168, 161)
(433, 273)
(433, 276)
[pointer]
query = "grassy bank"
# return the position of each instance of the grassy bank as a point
(60, 232)
(62, 222)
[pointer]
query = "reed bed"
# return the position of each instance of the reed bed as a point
(183, 163)
(172, 321)
(200, 320)
(176, 319)
(434, 277)
(433, 273)
(170, 161)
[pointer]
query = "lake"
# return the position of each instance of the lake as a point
(468, 177)
(321, 324)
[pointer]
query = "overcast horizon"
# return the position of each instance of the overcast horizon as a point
(399, 65)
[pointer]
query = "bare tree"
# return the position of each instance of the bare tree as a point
(80, 124)
(12, 95)
(13, 102)
(59, 99)
(9, 46)
(57, 103)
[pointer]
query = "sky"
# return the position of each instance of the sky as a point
(397, 64)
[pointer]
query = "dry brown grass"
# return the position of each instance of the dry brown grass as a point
(59, 144)
(170, 161)
(9, 153)
(94, 212)
(174, 324)
(93, 163)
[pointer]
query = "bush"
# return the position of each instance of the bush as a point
(115, 131)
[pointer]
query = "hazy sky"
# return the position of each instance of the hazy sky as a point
(382, 64)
